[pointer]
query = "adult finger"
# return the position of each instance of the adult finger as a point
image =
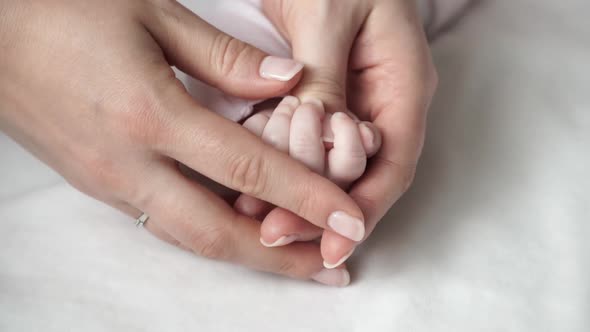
(201, 140)
(204, 52)
(177, 206)
(276, 133)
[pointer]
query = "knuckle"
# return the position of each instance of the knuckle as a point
(99, 177)
(212, 243)
(304, 202)
(302, 145)
(367, 200)
(139, 113)
(135, 118)
(247, 174)
(288, 267)
(226, 54)
(405, 171)
(103, 170)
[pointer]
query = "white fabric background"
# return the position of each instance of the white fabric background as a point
(492, 237)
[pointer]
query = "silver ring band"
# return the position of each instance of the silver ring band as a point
(142, 219)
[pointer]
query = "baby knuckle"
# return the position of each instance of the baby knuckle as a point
(247, 174)
(301, 145)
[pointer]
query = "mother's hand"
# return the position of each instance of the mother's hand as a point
(87, 87)
(371, 56)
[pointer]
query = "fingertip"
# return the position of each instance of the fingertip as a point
(336, 250)
(347, 160)
(371, 137)
(333, 277)
(278, 126)
(250, 206)
(256, 123)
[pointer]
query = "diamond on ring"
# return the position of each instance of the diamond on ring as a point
(142, 219)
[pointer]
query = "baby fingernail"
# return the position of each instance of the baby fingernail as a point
(327, 133)
(339, 262)
(282, 241)
(313, 101)
(347, 225)
(279, 69)
(367, 135)
(353, 116)
(336, 277)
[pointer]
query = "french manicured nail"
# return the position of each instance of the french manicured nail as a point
(339, 262)
(279, 69)
(347, 225)
(282, 241)
(336, 277)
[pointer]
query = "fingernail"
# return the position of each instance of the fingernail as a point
(327, 133)
(347, 225)
(366, 132)
(336, 278)
(290, 101)
(282, 241)
(341, 116)
(353, 116)
(313, 101)
(279, 69)
(339, 262)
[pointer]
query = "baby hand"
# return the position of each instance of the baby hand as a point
(334, 145)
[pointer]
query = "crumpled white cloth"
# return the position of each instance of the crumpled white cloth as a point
(492, 237)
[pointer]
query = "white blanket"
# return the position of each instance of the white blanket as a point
(492, 237)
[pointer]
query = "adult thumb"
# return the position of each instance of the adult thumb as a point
(206, 53)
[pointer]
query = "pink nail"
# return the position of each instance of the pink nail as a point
(340, 261)
(347, 225)
(336, 278)
(279, 69)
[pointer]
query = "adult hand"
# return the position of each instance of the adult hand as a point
(372, 57)
(87, 87)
